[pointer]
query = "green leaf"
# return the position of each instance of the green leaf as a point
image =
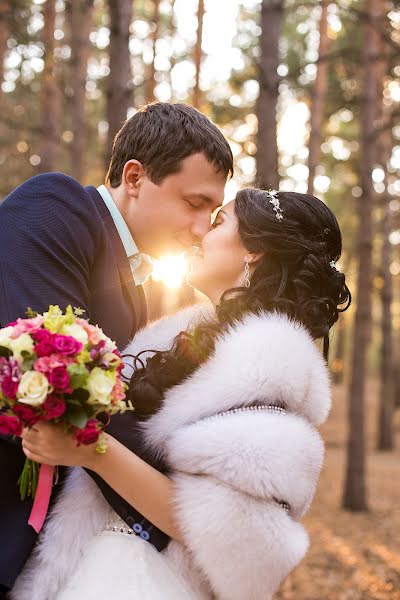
(28, 360)
(6, 352)
(78, 375)
(76, 415)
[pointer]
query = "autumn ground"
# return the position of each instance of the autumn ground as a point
(352, 556)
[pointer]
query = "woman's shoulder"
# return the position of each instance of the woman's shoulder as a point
(159, 334)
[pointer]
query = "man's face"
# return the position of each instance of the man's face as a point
(176, 214)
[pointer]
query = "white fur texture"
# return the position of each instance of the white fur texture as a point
(79, 513)
(229, 471)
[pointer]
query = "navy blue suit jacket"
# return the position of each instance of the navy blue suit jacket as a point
(59, 245)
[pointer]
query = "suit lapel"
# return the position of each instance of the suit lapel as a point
(134, 294)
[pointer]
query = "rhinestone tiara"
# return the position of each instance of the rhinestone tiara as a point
(272, 194)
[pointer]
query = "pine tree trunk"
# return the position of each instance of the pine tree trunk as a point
(119, 84)
(5, 9)
(198, 55)
(385, 438)
(267, 146)
(387, 387)
(341, 333)
(151, 81)
(81, 19)
(50, 96)
(318, 98)
(171, 33)
(355, 495)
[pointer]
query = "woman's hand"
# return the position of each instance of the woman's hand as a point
(50, 445)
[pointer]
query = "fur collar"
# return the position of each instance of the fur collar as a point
(265, 359)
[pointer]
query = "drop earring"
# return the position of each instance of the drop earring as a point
(246, 275)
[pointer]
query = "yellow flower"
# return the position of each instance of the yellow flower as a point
(23, 343)
(53, 318)
(100, 384)
(33, 388)
(83, 356)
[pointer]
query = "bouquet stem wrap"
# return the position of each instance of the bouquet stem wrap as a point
(42, 497)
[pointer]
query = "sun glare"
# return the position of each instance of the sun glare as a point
(171, 270)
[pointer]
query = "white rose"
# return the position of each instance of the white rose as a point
(100, 384)
(77, 332)
(22, 343)
(33, 388)
(5, 338)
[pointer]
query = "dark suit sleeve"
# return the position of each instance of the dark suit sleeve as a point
(49, 233)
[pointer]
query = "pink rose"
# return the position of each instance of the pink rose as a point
(59, 379)
(66, 344)
(26, 326)
(44, 364)
(9, 387)
(42, 335)
(27, 415)
(44, 348)
(10, 425)
(88, 435)
(94, 333)
(118, 393)
(53, 407)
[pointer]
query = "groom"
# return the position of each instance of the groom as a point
(61, 243)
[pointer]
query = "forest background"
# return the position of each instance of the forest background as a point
(308, 95)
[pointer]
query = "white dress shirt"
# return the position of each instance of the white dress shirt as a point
(141, 264)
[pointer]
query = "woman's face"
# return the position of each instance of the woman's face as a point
(219, 263)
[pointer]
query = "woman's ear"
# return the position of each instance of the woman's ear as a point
(132, 177)
(253, 258)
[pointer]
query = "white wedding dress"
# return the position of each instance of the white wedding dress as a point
(119, 565)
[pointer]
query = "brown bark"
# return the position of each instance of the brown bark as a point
(198, 55)
(337, 367)
(355, 495)
(387, 388)
(172, 31)
(151, 81)
(119, 84)
(318, 96)
(5, 9)
(81, 20)
(50, 96)
(267, 148)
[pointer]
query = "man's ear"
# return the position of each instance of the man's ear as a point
(132, 177)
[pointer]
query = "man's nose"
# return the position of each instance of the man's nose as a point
(201, 226)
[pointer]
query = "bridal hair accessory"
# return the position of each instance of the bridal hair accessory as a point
(333, 264)
(275, 203)
(246, 275)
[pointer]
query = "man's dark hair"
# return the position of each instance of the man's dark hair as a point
(160, 135)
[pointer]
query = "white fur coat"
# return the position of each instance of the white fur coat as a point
(230, 470)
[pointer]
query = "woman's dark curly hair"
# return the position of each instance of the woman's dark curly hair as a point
(295, 276)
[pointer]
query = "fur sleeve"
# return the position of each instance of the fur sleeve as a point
(244, 547)
(254, 452)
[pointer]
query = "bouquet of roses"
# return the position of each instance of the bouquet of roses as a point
(57, 367)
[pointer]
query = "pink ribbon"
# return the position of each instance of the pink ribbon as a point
(42, 497)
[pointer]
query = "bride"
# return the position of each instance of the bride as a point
(230, 396)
